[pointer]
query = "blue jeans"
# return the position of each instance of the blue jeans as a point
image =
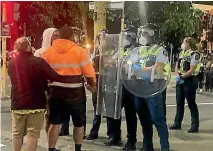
(155, 107)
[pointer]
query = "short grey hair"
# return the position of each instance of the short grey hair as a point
(22, 44)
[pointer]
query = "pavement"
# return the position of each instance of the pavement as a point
(179, 140)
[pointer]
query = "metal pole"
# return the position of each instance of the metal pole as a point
(0, 50)
(170, 62)
(3, 51)
(100, 17)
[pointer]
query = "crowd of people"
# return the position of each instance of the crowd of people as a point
(205, 77)
(50, 85)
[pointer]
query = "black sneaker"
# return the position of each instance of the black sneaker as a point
(91, 137)
(129, 146)
(193, 130)
(175, 127)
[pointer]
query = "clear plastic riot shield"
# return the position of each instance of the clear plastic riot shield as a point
(143, 78)
(109, 85)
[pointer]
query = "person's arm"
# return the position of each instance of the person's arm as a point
(87, 70)
(51, 74)
(176, 68)
(194, 62)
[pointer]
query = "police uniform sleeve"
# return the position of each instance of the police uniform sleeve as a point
(195, 59)
(162, 57)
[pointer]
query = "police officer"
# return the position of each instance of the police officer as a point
(97, 118)
(200, 76)
(151, 109)
(114, 125)
(189, 68)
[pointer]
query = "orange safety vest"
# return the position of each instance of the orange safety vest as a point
(67, 58)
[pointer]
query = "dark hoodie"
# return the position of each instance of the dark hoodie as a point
(29, 77)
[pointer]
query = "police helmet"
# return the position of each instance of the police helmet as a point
(130, 34)
(146, 34)
(147, 28)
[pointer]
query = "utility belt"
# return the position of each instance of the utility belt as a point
(191, 79)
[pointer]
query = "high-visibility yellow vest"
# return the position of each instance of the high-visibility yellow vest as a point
(122, 54)
(154, 51)
(181, 55)
(185, 62)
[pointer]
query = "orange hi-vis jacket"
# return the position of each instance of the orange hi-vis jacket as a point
(67, 58)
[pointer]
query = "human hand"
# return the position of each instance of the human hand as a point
(47, 112)
(91, 88)
(177, 78)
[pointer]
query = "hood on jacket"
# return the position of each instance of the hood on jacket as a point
(63, 45)
(46, 42)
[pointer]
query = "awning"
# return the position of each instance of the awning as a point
(204, 8)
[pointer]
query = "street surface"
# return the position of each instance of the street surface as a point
(179, 140)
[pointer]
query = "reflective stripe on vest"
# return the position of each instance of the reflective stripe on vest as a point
(180, 57)
(181, 54)
(151, 51)
(188, 53)
(122, 54)
(55, 66)
(66, 85)
(154, 50)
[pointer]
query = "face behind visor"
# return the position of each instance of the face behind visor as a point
(142, 41)
(144, 35)
(129, 38)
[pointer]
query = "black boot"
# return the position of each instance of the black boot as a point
(147, 149)
(92, 137)
(53, 149)
(129, 146)
(113, 142)
(175, 127)
(193, 130)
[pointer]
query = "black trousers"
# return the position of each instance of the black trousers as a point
(187, 90)
(164, 100)
(209, 79)
(97, 118)
(114, 125)
(200, 78)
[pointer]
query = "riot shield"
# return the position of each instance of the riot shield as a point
(109, 84)
(144, 81)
